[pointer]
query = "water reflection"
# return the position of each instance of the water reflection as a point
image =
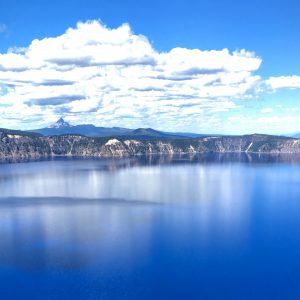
(113, 227)
(260, 158)
(156, 178)
(70, 236)
(108, 235)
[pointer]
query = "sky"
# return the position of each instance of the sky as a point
(226, 67)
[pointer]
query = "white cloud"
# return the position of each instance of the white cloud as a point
(270, 123)
(109, 77)
(267, 110)
(284, 82)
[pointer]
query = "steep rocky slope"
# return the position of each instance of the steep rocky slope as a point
(24, 146)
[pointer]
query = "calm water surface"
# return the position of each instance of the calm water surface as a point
(215, 227)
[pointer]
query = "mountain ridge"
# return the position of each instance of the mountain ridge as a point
(24, 145)
(61, 127)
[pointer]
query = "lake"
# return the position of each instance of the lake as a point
(158, 227)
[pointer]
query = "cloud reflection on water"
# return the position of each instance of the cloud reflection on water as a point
(195, 194)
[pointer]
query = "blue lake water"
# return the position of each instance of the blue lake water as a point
(213, 227)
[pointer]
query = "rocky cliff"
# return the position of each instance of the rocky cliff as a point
(18, 145)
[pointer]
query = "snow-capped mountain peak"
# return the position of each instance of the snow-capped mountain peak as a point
(60, 123)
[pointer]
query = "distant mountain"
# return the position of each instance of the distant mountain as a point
(61, 127)
(19, 132)
(151, 134)
(61, 123)
(190, 134)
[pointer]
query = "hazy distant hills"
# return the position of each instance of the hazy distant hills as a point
(64, 139)
(61, 127)
(297, 135)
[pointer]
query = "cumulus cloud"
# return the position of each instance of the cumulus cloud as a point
(284, 82)
(110, 77)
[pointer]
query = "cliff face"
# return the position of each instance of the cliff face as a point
(19, 146)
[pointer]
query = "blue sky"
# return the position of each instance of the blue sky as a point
(267, 29)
